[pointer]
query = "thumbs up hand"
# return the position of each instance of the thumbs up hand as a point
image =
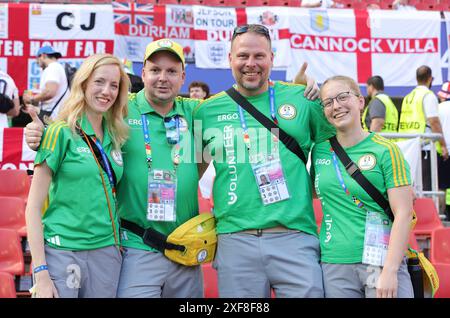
(33, 130)
(312, 89)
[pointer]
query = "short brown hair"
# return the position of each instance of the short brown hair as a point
(202, 85)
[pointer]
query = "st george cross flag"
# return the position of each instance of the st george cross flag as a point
(360, 44)
(213, 27)
(14, 152)
(276, 19)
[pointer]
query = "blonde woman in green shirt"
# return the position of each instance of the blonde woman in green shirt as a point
(362, 250)
(75, 243)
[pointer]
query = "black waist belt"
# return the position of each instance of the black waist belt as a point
(151, 237)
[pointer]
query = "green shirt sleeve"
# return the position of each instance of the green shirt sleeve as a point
(395, 167)
(54, 146)
(321, 129)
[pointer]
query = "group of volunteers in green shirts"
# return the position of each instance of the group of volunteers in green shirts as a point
(267, 237)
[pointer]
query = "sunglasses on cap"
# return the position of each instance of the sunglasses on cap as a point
(172, 125)
(257, 28)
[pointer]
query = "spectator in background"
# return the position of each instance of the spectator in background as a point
(380, 115)
(419, 114)
(198, 90)
(53, 85)
(136, 81)
(444, 165)
(402, 5)
(9, 99)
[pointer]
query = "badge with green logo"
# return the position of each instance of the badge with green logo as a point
(287, 111)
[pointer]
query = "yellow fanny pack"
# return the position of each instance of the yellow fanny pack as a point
(192, 243)
(198, 236)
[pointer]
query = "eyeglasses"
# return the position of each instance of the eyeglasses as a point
(341, 98)
(172, 125)
(257, 28)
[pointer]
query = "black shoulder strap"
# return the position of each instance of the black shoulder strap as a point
(288, 141)
(97, 153)
(357, 175)
(56, 104)
(151, 237)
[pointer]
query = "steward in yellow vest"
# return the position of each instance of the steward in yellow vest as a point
(391, 116)
(380, 115)
(412, 116)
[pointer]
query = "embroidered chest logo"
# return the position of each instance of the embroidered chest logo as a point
(287, 111)
(367, 162)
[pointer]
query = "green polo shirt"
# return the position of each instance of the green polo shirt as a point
(343, 225)
(132, 189)
(237, 202)
(77, 217)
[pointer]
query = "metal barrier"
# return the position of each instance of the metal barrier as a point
(426, 139)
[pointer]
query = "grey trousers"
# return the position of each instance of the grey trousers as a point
(85, 274)
(151, 275)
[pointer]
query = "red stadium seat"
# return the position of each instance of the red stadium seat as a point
(11, 256)
(386, 6)
(359, 5)
(295, 3)
(14, 183)
(441, 7)
(140, 1)
(12, 215)
(346, 3)
(191, 2)
(422, 6)
(413, 2)
(168, 2)
(427, 217)
(214, 3)
(443, 271)
(7, 287)
(278, 3)
(204, 205)
(255, 3)
(413, 242)
(318, 213)
(210, 281)
(234, 3)
(440, 246)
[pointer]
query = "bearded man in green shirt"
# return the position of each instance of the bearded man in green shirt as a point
(267, 235)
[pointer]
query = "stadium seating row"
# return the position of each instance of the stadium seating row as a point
(436, 5)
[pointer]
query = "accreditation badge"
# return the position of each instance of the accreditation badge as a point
(162, 189)
(376, 239)
(271, 182)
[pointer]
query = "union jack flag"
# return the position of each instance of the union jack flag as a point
(133, 13)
